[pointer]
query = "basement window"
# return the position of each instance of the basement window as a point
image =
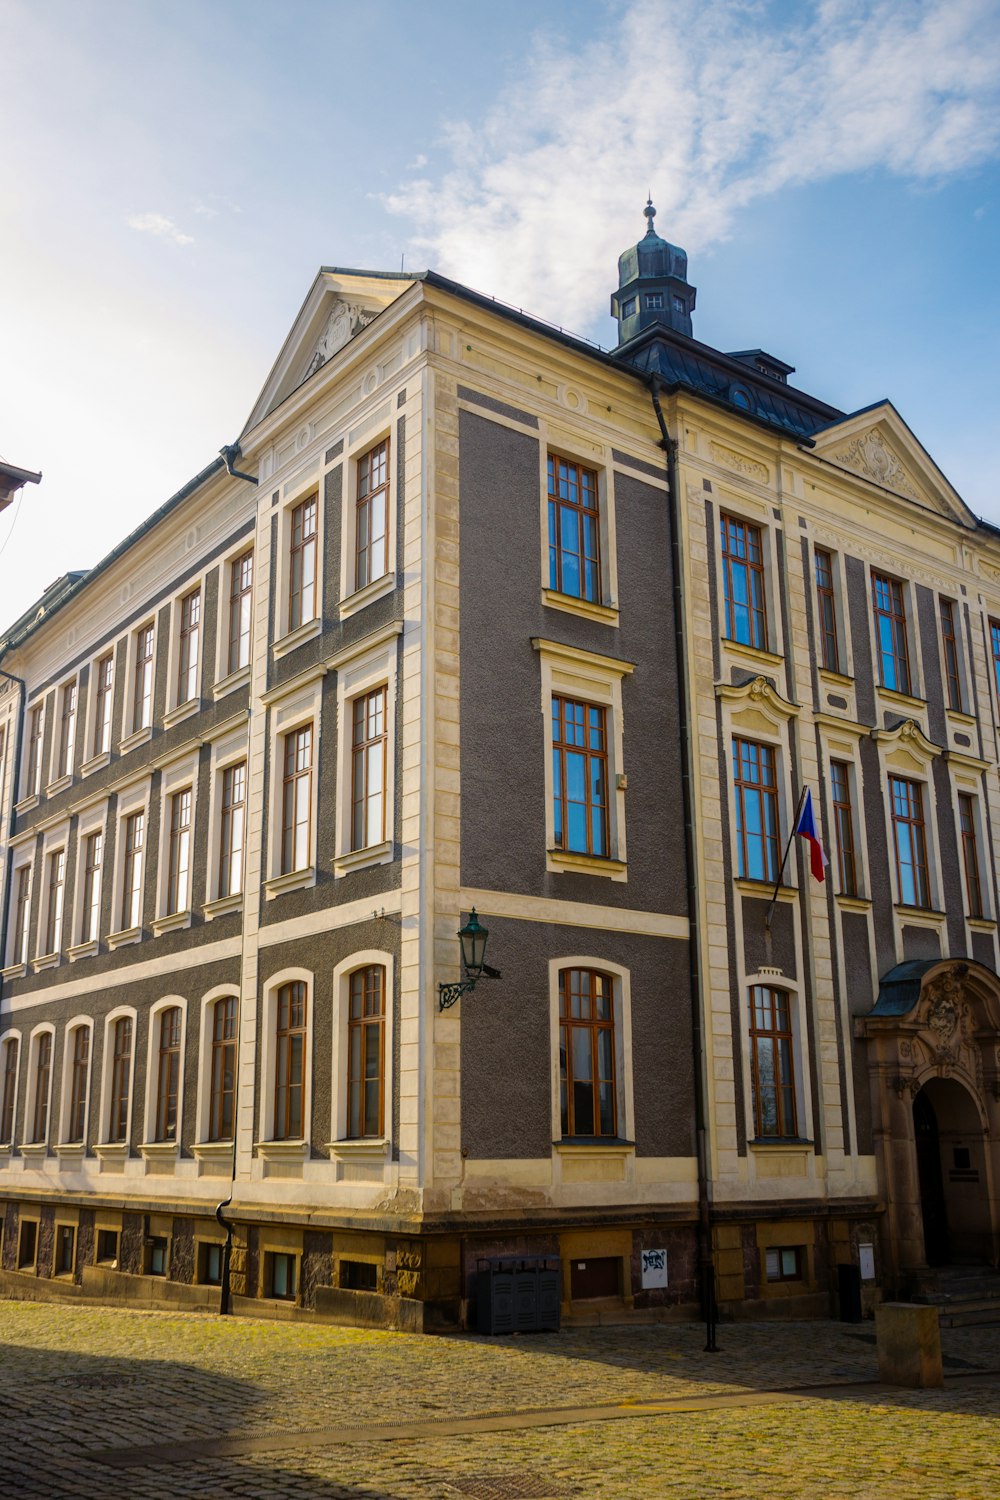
(359, 1275)
(107, 1248)
(785, 1264)
(210, 1265)
(280, 1276)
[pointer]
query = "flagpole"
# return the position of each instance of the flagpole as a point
(784, 860)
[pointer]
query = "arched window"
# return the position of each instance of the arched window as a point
(366, 1053)
(588, 1095)
(121, 1068)
(80, 1042)
(222, 1092)
(10, 1051)
(772, 1062)
(43, 1077)
(289, 1070)
(168, 1068)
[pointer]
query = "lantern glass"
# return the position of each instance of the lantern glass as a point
(473, 939)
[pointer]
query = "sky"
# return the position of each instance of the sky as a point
(174, 172)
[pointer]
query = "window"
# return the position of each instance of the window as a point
(240, 611)
(302, 577)
(289, 1072)
(366, 1053)
(910, 841)
(188, 644)
(65, 1249)
(157, 1255)
(33, 775)
(628, 307)
(890, 632)
(104, 676)
(54, 913)
(359, 1275)
(27, 1243)
(43, 1077)
(234, 781)
(10, 1054)
(826, 608)
(93, 854)
(121, 1069)
(772, 1063)
(107, 1247)
(654, 300)
(142, 684)
(222, 1091)
(843, 822)
(67, 730)
(995, 649)
(22, 921)
(574, 530)
(372, 519)
(210, 1265)
(78, 1084)
(368, 770)
(296, 800)
(756, 810)
(949, 642)
(132, 871)
(580, 777)
(279, 1276)
(168, 1067)
(179, 863)
(784, 1264)
(587, 1091)
(743, 582)
(970, 853)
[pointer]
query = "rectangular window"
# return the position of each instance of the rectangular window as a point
(240, 611)
(372, 520)
(289, 1072)
(67, 730)
(296, 800)
(654, 300)
(784, 1264)
(772, 1062)
(234, 782)
(587, 1054)
(743, 582)
(107, 1246)
(10, 1052)
(574, 530)
(995, 650)
(210, 1265)
(78, 1084)
(368, 770)
(188, 647)
(910, 841)
(580, 777)
(223, 1083)
(57, 881)
(33, 780)
(890, 632)
(168, 1074)
(22, 922)
(27, 1244)
(179, 862)
(949, 641)
(65, 1250)
(970, 853)
(365, 1053)
(302, 575)
(843, 822)
(279, 1276)
(43, 1075)
(142, 684)
(121, 1065)
(157, 1256)
(359, 1275)
(132, 871)
(756, 792)
(826, 609)
(103, 703)
(93, 855)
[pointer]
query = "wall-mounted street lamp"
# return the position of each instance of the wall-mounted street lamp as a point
(473, 939)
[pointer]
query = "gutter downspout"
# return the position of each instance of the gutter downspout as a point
(15, 782)
(706, 1260)
(229, 453)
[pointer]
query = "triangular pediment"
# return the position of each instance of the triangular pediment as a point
(877, 445)
(340, 305)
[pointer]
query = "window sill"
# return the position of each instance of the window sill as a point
(364, 1148)
(34, 1150)
(835, 679)
(14, 971)
(853, 903)
(135, 739)
(923, 916)
(359, 859)
(96, 763)
(26, 804)
(123, 938)
(605, 614)
(960, 718)
(181, 712)
(44, 961)
(761, 888)
(159, 1150)
(598, 1144)
(171, 921)
(756, 654)
(295, 880)
(890, 698)
(213, 1151)
(565, 861)
(283, 1150)
(82, 950)
(982, 924)
(70, 1150)
(296, 637)
(371, 591)
(222, 905)
(112, 1151)
(59, 785)
(239, 678)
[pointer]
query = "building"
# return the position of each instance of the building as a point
(476, 617)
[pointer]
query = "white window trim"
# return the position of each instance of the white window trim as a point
(598, 458)
(66, 1083)
(362, 672)
(587, 677)
(970, 785)
(622, 1003)
(840, 742)
(177, 708)
(840, 613)
(800, 1061)
(107, 1067)
(46, 1028)
(913, 633)
(30, 792)
(93, 820)
(132, 799)
(226, 681)
(59, 778)
(754, 711)
(268, 1059)
(91, 759)
(964, 715)
(13, 1035)
(361, 441)
(53, 840)
(17, 965)
(180, 775)
(308, 482)
(225, 753)
(136, 734)
(203, 1096)
(150, 1145)
(340, 1144)
(302, 706)
(906, 753)
(728, 504)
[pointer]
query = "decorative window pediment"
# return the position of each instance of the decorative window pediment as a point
(907, 749)
(756, 706)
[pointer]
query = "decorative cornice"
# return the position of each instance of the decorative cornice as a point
(909, 736)
(760, 694)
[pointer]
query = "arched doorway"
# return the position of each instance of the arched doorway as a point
(951, 1170)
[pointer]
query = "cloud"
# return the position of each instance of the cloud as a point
(164, 229)
(714, 103)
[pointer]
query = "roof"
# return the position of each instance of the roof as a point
(899, 989)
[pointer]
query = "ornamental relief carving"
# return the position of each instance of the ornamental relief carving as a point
(346, 320)
(870, 455)
(740, 464)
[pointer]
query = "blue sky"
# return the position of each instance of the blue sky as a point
(173, 172)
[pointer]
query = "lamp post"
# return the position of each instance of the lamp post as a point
(473, 940)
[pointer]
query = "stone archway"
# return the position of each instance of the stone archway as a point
(934, 1071)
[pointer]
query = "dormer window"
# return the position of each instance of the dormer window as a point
(654, 301)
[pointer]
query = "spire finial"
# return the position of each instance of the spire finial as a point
(650, 213)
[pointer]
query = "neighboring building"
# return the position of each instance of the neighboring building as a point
(13, 479)
(279, 744)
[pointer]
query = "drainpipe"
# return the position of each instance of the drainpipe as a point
(15, 782)
(706, 1260)
(229, 453)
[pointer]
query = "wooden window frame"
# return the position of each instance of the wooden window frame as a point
(588, 984)
(224, 1033)
(22, 919)
(581, 720)
(168, 1070)
(56, 900)
(11, 1057)
(952, 667)
(781, 1251)
(232, 832)
(68, 702)
(371, 465)
(911, 818)
(240, 612)
(995, 651)
(104, 679)
(290, 1028)
(365, 1012)
(297, 760)
(771, 1021)
(889, 606)
(93, 860)
(303, 559)
(179, 851)
(42, 1085)
(142, 677)
(79, 1076)
(132, 869)
(367, 740)
(573, 490)
(843, 823)
(970, 854)
(826, 610)
(762, 759)
(743, 554)
(188, 646)
(121, 1080)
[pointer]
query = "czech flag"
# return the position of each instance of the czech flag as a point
(806, 828)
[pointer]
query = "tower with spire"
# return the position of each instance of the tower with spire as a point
(653, 288)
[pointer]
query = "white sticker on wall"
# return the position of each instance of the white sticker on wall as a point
(654, 1268)
(866, 1259)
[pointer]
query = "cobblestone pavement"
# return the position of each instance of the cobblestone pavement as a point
(78, 1382)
